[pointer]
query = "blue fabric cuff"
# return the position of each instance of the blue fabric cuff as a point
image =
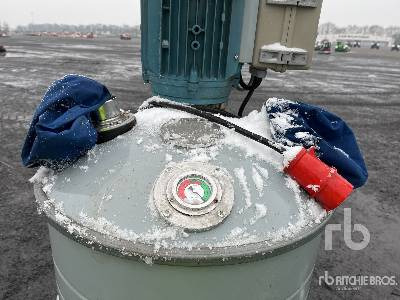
(297, 123)
(61, 129)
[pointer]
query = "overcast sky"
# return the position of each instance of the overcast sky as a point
(15, 12)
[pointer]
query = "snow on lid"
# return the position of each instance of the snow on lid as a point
(153, 118)
(261, 212)
(40, 175)
(309, 210)
(263, 171)
(257, 122)
(168, 157)
(277, 47)
(258, 181)
(45, 177)
(239, 173)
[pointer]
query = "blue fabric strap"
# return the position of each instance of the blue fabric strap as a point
(61, 129)
(296, 123)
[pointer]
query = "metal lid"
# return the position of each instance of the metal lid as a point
(115, 195)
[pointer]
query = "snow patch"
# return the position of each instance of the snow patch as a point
(258, 181)
(277, 47)
(261, 212)
(152, 148)
(306, 137)
(84, 168)
(257, 122)
(239, 173)
(263, 171)
(46, 178)
(313, 187)
(290, 154)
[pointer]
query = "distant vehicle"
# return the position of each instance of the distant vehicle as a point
(34, 34)
(395, 47)
(125, 36)
(375, 45)
(3, 34)
(318, 46)
(325, 47)
(341, 47)
(357, 44)
(89, 35)
(3, 50)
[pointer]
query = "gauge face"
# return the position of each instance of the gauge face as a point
(194, 190)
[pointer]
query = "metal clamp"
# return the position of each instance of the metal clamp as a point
(110, 121)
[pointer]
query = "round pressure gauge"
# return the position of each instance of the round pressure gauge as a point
(196, 196)
(194, 191)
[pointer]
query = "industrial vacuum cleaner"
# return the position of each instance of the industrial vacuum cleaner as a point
(182, 199)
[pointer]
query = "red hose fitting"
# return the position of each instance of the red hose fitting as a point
(320, 181)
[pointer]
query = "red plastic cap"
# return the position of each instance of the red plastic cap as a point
(319, 180)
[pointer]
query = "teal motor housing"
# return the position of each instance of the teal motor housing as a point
(190, 48)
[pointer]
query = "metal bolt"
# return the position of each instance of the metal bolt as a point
(221, 214)
(236, 57)
(167, 213)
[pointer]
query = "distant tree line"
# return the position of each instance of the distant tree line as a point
(99, 29)
(102, 29)
(4, 28)
(330, 28)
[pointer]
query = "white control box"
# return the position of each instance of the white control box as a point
(282, 36)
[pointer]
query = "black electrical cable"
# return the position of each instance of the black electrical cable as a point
(251, 87)
(254, 84)
(203, 114)
(245, 86)
(216, 111)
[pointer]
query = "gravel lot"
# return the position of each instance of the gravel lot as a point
(362, 87)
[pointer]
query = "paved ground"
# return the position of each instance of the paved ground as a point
(362, 87)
